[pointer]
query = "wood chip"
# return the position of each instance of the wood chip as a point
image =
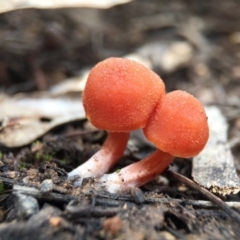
(214, 167)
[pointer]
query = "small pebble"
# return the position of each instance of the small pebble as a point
(46, 186)
(55, 221)
(26, 205)
(164, 235)
(12, 174)
(182, 188)
(113, 225)
(137, 195)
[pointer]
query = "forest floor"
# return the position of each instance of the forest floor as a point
(42, 48)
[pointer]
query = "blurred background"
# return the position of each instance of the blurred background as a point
(46, 51)
(193, 45)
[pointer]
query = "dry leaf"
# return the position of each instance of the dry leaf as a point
(24, 118)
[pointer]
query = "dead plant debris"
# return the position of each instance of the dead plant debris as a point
(45, 57)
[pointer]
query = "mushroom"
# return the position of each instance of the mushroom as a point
(118, 97)
(178, 127)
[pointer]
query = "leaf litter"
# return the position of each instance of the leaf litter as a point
(39, 147)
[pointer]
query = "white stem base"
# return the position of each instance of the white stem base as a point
(136, 174)
(102, 160)
(93, 167)
(113, 183)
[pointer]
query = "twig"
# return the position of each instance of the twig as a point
(214, 199)
(113, 200)
(89, 211)
(79, 133)
(110, 199)
(176, 233)
(53, 197)
(194, 203)
(10, 182)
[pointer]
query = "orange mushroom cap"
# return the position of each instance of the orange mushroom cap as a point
(120, 94)
(178, 125)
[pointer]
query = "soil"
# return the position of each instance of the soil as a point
(39, 48)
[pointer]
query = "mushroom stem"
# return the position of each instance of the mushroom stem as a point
(136, 174)
(104, 159)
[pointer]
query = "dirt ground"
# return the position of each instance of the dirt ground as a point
(40, 48)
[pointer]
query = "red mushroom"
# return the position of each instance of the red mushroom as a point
(118, 97)
(178, 127)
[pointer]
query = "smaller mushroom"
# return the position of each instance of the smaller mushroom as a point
(118, 97)
(178, 127)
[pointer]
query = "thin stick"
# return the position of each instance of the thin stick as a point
(213, 198)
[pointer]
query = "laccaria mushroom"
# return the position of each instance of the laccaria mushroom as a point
(178, 127)
(118, 97)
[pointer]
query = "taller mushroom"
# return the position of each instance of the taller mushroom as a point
(119, 96)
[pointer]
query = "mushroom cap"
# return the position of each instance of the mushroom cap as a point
(120, 94)
(178, 125)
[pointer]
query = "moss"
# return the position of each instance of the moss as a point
(22, 165)
(63, 161)
(47, 157)
(37, 156)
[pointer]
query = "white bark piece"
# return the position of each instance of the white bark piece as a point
(169, 56)
(10, 5)
(214, 167)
